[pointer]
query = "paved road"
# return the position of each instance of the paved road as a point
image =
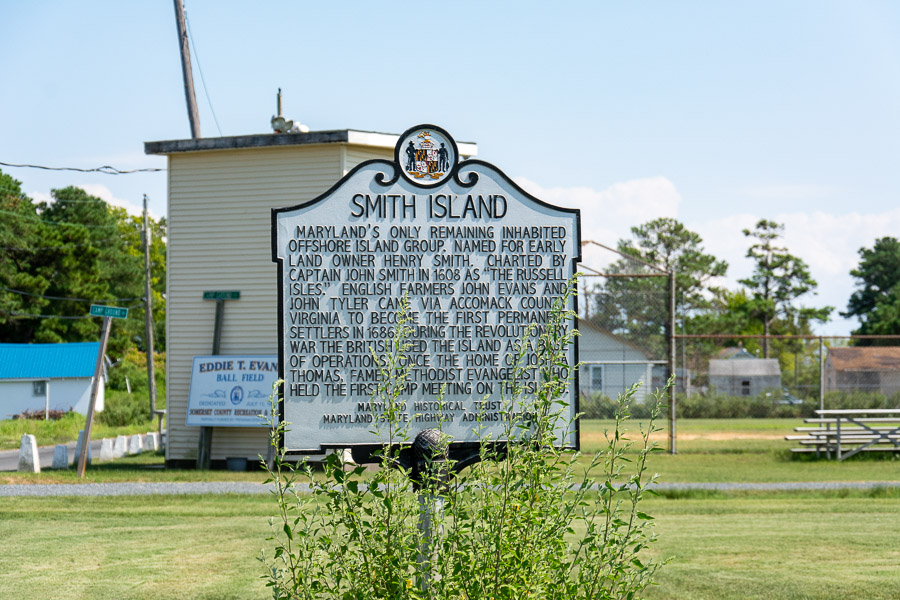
(9, 459)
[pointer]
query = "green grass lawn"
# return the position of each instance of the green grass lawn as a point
(744, 450)
(145, 547)
(840, 544)
(778, 546)
(709, 450)
(721, 545)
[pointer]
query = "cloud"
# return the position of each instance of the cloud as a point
(41, 197)
(100, 191)
(828, 242)
(801, 191)
(104, 193)
(608, 215)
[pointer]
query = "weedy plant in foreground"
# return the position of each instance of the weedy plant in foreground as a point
(527, 521)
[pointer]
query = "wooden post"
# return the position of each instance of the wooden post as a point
(217, 332)
(821, 373)
(204, 453)
(148, 314)
(95, 387)
(187, 74)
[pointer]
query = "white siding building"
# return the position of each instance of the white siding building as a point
(611, 364)
(221, 192)
(36, 377)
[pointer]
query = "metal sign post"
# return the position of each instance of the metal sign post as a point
(204, 451)
(108, 313)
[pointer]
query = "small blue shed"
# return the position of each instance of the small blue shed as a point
(52, 376)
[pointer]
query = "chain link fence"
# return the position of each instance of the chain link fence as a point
(785, 376)
(627, 337)
(624, 324)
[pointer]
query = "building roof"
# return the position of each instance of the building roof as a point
(48, 361)
(865, 358)
(735, 353)
(583, 324)
(263, 140)
(758, 367)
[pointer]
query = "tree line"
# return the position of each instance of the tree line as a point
(771, 301)
(58, 257)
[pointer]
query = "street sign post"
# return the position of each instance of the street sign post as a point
(114, 312)
(108, 313)
(231, 295)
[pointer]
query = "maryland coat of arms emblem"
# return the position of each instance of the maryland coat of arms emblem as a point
(427, 155)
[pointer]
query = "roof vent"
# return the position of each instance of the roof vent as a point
(282, 125)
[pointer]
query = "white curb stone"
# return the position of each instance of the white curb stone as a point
(120, 446)
(151, 443)
(106, 449)
(90, 456)
(134, 444)
(29, 461)
(61, 457)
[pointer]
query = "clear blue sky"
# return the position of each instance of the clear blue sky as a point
(717, 113)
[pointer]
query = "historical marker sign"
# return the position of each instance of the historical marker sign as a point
(479, 258)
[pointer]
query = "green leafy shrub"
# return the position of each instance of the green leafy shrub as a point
(527, 521)
(860, 399)
(133, 367)
(595, 405)
(121, 409)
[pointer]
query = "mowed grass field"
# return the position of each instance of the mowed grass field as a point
(838, 544)
(779, 546)
(742, 451)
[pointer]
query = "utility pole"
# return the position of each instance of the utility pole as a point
(148, 313)
(193, 115)
(670, 367)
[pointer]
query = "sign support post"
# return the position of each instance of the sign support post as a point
(204, 452)
(108, 313)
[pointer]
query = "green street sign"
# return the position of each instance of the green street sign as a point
(109, 311)
(221, 295)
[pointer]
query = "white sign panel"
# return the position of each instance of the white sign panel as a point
(231, 391)
(478, 257)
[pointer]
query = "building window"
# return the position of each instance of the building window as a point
(596, 378)
(38, 388)
(745, 387)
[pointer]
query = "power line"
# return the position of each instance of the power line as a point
(187, 22)
(23, 293)
(105, 169)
